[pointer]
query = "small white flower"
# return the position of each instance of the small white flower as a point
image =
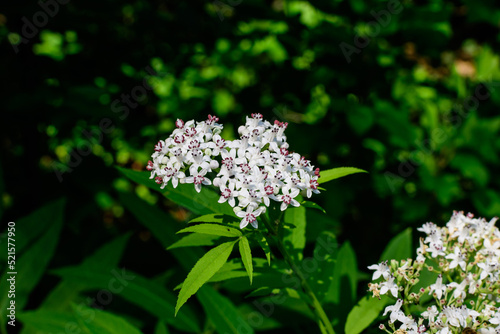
(438, 287)
(381, 269)
(396, 313)
(445, 330)
(495, 320)
(389, 285)
(250, 216)
(228, 194)
(198, 179)
(457, 258)
(489, 268)
(436, 249)
(288, 197)
(459, 291)
(428, 228)
(491, 248)
(431, 313)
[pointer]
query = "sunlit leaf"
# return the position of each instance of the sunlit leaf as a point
(295, 238)
(195, 239)
(265, 247)
(203, 270)
(246, 256)
(335, 173)
(342, 289)
(213, 229)
(312, 205)
(364, 313)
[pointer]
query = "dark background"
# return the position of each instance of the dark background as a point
(415, 103)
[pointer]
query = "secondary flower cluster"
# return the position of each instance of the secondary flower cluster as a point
(465, 257)
(249, 171)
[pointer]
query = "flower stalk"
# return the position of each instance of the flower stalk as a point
(323, 320)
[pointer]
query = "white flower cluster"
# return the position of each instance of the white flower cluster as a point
(253, 170)
(466, 256)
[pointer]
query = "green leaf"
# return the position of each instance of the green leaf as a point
(100, 322)
(268, 291)
(65, 292)
(265, 247)
(162, 226)
(185, 195)
(213, 229)
(246, 256)
(399, 248)
(45, 321)
(342, 290)
(195, 239)
(134, 288)
(335, 173)
(203, 270)
(364, 313)
(33, 262)
(84, 319)
(216, 218)
(325, 252)
(224, 276)
(344, 274)
(222, 312)
(2, 191)
(295, 239)
(312, 205)
(31, 227)
(161, 328)
(155, 220)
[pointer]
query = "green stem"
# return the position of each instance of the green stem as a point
(315, 304)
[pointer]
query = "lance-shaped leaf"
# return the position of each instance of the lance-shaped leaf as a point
(161, 328)
(335, 173)
(364, 313)
(213, 229)
(185, 195)
(312, 205)
(195, 239)
(34, 260)
(399, 248)
(138, 290)
(217, 218)
(265, 247)
(203, 270)
(222, 312)
(84, 319)
(295, 238)
(246, 256)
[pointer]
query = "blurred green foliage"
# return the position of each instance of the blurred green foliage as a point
(415, 103)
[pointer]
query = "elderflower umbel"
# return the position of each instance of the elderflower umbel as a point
(465, 257)
(249, 172)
